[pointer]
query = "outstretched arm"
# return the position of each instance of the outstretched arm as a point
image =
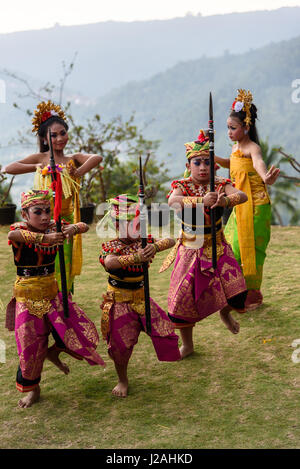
(86, 163)
(224, 162)
(26, 165)
(268, 176)
(117, 262)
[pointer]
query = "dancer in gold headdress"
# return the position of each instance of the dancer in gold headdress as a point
(248, 228)
(72, 168)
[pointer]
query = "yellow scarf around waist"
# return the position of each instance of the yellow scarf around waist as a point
(70, 204)
(136, 299)
(239, 169)
(36, 293)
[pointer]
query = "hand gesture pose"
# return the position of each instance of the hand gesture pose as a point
(271, 175)
(69, 231)
(214, 199)
(147, 253)
(54, 238)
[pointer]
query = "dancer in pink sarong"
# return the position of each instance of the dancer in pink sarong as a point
(123, 309)
(196, 289)
(37, 307)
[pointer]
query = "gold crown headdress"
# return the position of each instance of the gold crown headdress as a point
(44, 111)
(243, 102)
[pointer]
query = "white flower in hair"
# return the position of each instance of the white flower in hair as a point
(238, 106)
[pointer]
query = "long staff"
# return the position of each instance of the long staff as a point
(143, 225)
(212, 180)
(55, 180)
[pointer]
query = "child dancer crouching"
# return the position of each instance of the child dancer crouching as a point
(123, 315)
(38, 306)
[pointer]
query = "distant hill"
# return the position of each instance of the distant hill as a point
(177, 99)
(113, 53)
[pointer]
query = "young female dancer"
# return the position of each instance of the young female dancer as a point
(248, 228)
(71, 166)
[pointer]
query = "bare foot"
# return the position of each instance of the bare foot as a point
(186, 350)
(53, 356)
(229, 322)
(121, 390)
(31, 398)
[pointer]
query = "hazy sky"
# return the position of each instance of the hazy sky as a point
(20, 15)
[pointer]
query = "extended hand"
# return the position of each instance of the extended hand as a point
(147, 253)
(54, 238)
(73, 171)
(271, 175)
(68, 231)
(220, 200)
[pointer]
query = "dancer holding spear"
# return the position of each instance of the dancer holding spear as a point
(127, 308)
(206, 277)
(38, 305)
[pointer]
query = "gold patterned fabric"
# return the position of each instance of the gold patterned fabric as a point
(135, 298)
(247, 180)
(36, 293)
(70, 206)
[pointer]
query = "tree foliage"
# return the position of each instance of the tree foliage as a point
(119, 143)
(282, 193)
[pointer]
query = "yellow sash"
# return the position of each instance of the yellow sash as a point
(70, 189)
(36, 292)
(239, 169)
(77, 240)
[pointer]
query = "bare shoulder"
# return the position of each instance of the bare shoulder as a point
(19, 225)
(254, 149)
(34, 158)
(79, 157)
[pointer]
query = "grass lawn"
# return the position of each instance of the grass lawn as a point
(234, 392)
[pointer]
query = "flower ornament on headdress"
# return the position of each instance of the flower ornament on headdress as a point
(43, 112)
(243, 102)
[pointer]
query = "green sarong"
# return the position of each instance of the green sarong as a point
(262, 231)
(68, 250)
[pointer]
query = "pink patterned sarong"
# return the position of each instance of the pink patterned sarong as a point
(77, 332)
(125, 326)
(196, 290)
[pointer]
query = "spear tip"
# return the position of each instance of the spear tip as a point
(210, 106)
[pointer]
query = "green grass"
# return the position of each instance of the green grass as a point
(233, 392)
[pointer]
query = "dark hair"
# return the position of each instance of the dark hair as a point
(241, 115)
(43, 129)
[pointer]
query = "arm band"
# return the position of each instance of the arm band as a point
(130, 259)
(32, 237)
(162, 244)
(192, 200)
(234, 199)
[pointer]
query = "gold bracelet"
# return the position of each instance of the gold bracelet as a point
(162, 244)
(234, 199)
(76, 229)
(130, 259)
(227, 201)
(192, 200)
(32, 237)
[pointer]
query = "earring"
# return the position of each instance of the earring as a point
(245, 131)
(45, 142)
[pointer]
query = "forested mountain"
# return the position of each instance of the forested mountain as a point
(113, 53)
(175, 103)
